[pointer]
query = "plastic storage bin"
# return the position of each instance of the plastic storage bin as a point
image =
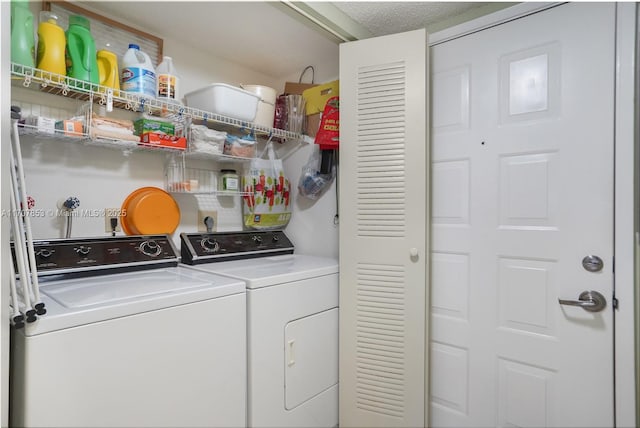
(266, 106)
(225, 100)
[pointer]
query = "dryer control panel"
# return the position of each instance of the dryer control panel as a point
(196, 248)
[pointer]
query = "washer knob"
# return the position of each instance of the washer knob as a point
(209, 246)
(150, 248)
(45, 253)
(81, 250)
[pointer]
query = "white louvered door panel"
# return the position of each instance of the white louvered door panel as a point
(383, 233)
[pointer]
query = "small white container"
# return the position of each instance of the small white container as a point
(167, 81)
(225, 100)
(266, 106)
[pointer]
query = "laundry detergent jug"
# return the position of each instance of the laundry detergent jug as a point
(51, 45)
(108, 69)
(81, 52)
(138, 74)
(22, 38)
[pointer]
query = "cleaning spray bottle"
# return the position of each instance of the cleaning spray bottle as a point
(168, 81)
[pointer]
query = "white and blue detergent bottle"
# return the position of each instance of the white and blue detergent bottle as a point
(138, 74)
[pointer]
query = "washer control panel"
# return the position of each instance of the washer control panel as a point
(60, 256)
(198, 248)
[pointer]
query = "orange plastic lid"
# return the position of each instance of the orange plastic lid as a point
(149, 211)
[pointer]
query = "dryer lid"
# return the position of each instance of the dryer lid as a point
(267, 271)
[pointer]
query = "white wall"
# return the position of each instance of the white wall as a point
(312, 228)
(102, 178)
(5, 59)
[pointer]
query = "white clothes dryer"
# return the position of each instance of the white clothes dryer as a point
(292, 324)
(154, 345)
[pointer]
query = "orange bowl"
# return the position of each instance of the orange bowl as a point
(149, 211)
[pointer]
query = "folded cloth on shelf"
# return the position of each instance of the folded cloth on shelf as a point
(104, 133)
(205, 140)
(107, 121)
(106, 127)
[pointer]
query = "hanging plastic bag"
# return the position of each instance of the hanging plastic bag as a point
(313, 183)
(266, 198)
(244, 147)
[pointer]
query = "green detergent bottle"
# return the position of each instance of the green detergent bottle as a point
(23, 44)
(81, 51)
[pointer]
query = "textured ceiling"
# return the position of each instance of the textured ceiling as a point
(258, 35)
(382, 18)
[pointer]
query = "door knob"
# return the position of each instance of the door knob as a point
(591, 301)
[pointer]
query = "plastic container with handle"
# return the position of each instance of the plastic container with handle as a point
(108, 69)
(22, 39)
(138, 73)
(51, 45)
(81, 52)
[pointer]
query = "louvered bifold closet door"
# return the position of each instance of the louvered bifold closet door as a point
(383, 231)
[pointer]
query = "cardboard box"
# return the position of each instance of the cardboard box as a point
(43, 124)
(70, 127)
(152, 139)
(292, 88)
(142, 126)
(313, 124)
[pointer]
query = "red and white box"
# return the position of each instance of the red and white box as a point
(152, 139)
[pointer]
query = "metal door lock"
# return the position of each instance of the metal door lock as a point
(592, 263)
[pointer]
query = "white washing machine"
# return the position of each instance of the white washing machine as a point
(154, 345)
(292, 324)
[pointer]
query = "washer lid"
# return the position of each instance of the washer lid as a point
(111, 289)
(266, 271)
(76, 302)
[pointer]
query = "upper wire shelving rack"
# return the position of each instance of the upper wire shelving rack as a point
(79, 89)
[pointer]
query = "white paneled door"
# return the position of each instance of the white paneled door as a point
(522, 169)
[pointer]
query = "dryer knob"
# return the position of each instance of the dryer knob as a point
(209, 246)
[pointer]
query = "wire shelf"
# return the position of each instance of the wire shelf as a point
(181, 179)
(78, 89)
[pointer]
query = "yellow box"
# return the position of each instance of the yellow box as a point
(317, 97)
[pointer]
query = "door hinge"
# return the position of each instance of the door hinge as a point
(614, 302)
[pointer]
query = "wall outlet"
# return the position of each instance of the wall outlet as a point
(110, 213)
(207, 213)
